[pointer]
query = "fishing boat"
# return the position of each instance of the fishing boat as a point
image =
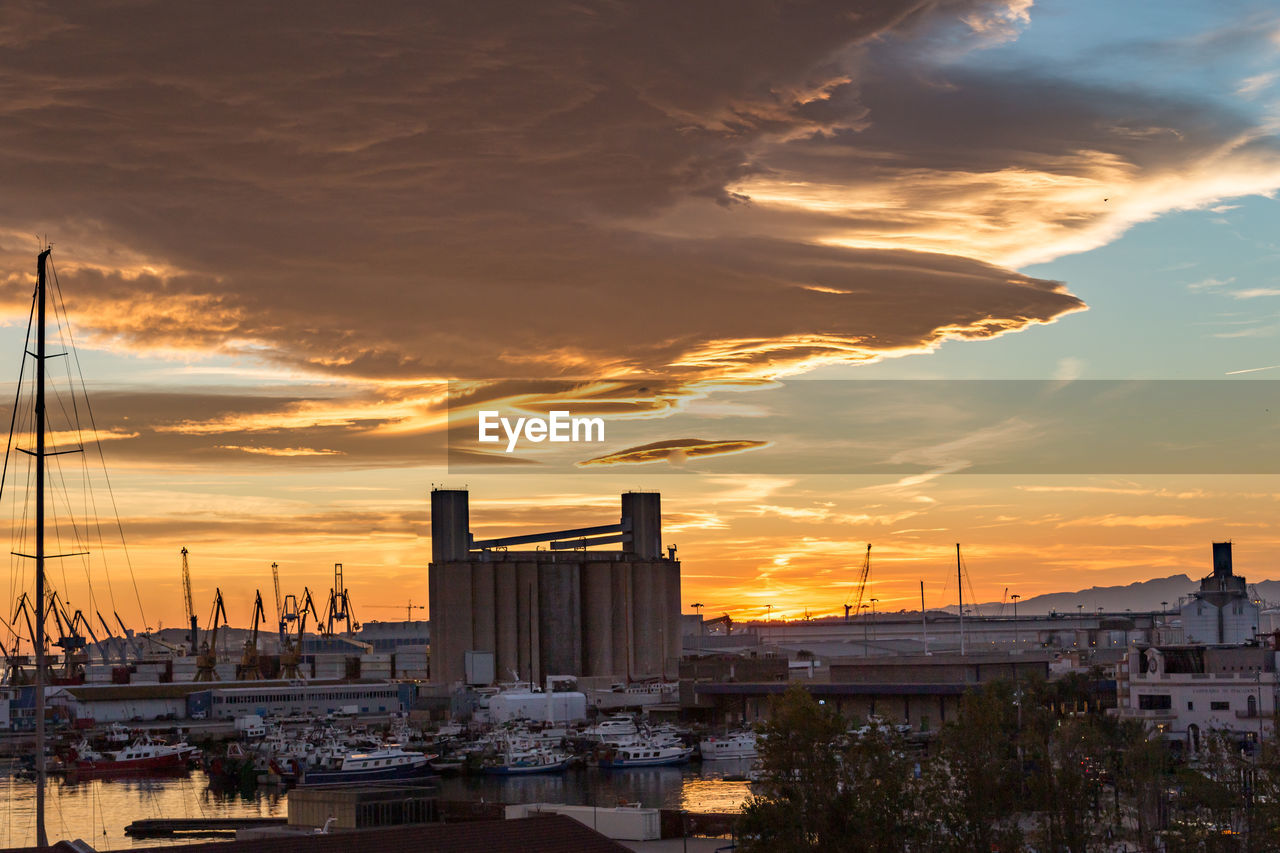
(447, 766)
(617, 729)
(734, 745)
(391, 763)
(145, 753)
(644, 755)
(520, 762)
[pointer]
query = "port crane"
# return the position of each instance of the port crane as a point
(15, 663)
(863, 579)
(23, 609)
(290, 649)
(72, 627)
(124, 642)
(409, 608)
(129, 635)
(275, 578)
(288, 615)
(248, 670)
(339, 608)
(207, 659)
(191, 610)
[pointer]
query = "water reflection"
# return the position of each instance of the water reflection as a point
(98, 810)
(693, 787)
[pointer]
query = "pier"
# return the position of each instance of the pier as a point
(167, 827)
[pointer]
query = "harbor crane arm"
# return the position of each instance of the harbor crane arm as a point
(308, 604)
(258, 615)
(69, 638)
(351, 613)
(79, 619)
(863, 578)
(219, 613)
(248, 669)
(24, 609)
(275, 578)
(137, 644)
(124, 642)
(186, 587)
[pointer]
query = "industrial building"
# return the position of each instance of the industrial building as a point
(1184, 692)
(917, 691)
(566, 610)
(1221, 611)
(106, 703)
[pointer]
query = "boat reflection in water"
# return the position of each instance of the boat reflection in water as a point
(101, 808)
(98, 809)
(692, 787)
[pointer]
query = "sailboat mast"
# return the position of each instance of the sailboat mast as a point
(960, 587)
(41, 839)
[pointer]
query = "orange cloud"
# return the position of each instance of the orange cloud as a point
(280, 451)
(675, 451)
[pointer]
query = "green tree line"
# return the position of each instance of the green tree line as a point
(1018, 768)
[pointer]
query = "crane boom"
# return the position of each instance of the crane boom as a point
(186, 586)
(191, 609)
(248, 670)
(863, 579)
(207, 659)
(275, 577)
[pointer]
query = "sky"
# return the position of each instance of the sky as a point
(301, 246)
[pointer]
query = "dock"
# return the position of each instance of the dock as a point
(166, 827)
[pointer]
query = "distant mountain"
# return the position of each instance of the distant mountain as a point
(1143, 595)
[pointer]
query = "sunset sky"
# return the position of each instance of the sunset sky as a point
(290, 235)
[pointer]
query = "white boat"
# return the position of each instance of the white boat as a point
(380, 764)
(644, 755)
(734, 745)
(516, 761)
(619, 728)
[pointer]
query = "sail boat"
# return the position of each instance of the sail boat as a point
(44, 601)
(42, 839)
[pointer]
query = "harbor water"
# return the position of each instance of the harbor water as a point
(99, 810)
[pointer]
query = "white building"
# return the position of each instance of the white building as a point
(1221, 611)
(1184, 692)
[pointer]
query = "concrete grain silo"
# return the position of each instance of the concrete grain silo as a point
(572, 609)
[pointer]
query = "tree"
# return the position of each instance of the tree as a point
(971, 788)
(798, 807)
(1140, 768)
(823, 788)
(881, 792)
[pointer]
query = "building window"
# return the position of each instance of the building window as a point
(1219, 706)
(1191, 706)
(1155, 702)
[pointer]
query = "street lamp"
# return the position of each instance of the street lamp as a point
(768, 612)
(1015, 598)
(866, 649)
(873, 611)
